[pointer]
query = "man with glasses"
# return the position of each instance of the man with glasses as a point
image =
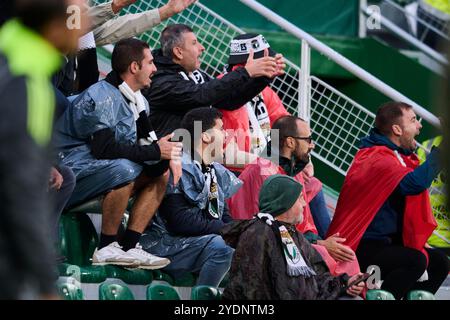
(292, 151)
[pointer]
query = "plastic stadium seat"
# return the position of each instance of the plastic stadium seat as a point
(161, 276)
(186, 280)
(114, 291)
(69, 291)
(78, 238)
(129, 276)
(161, 292)
(379, 295)
(205, 293)
(420, 295)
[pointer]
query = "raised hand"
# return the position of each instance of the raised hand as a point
(173, 7)
(118, 5)
(262, 67)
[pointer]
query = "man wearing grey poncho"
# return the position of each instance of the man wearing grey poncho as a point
(274, 261)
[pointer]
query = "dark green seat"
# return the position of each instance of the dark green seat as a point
(114, 291)
(161, 276)
(420, 295)
(85, 274)
(379, 295)
(185, 280)
(205, 293)
(94, 206)
(78, 238)
(129, 276)
(69, 291)
(91, 206)
(225, 281)
(161, 292)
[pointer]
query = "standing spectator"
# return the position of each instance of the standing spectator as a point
(384, 210)
(30, 48)
(179, 85)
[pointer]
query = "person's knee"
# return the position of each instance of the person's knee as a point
(416, 262)
(220, 249)
(439, 262)
(69, 179)
(125, 170)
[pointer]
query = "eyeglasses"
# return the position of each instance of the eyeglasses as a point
(307, 139)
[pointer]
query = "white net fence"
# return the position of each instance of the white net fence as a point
(337, 121)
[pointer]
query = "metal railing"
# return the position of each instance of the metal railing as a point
(341, 60)
(409, 36)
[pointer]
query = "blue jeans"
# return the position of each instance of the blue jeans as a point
(321, 216)
(207, 255)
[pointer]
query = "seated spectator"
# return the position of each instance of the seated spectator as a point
(272, 260)
(249, 126)
(106, 138)
(179, 85)
(384, 210)
(193, 213)
(441, 235)
(293, 155)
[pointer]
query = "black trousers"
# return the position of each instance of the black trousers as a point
(60, 198)
(401, 267)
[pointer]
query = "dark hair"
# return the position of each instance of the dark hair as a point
(206, 115)
(36, 14)
(388, 115)
(287, 127)
(171, 37)
(6, 11)
(126, 52)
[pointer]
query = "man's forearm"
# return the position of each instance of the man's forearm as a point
(126, 26)
(100, 14)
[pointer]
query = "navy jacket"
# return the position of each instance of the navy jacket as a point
(387, 224)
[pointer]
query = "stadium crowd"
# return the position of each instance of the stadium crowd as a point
(219, 173)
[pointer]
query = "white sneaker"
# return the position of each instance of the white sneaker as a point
(113, 254)
(147, 260)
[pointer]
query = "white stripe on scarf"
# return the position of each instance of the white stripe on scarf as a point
(296, 265)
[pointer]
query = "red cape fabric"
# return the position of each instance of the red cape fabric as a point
(245, 203)
(373, 176)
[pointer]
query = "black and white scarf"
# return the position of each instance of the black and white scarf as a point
(296, 265)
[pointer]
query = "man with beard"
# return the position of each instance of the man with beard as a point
(190, 217)
(295, 145)
(384, 209)
(273, 261)
(106, 138)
